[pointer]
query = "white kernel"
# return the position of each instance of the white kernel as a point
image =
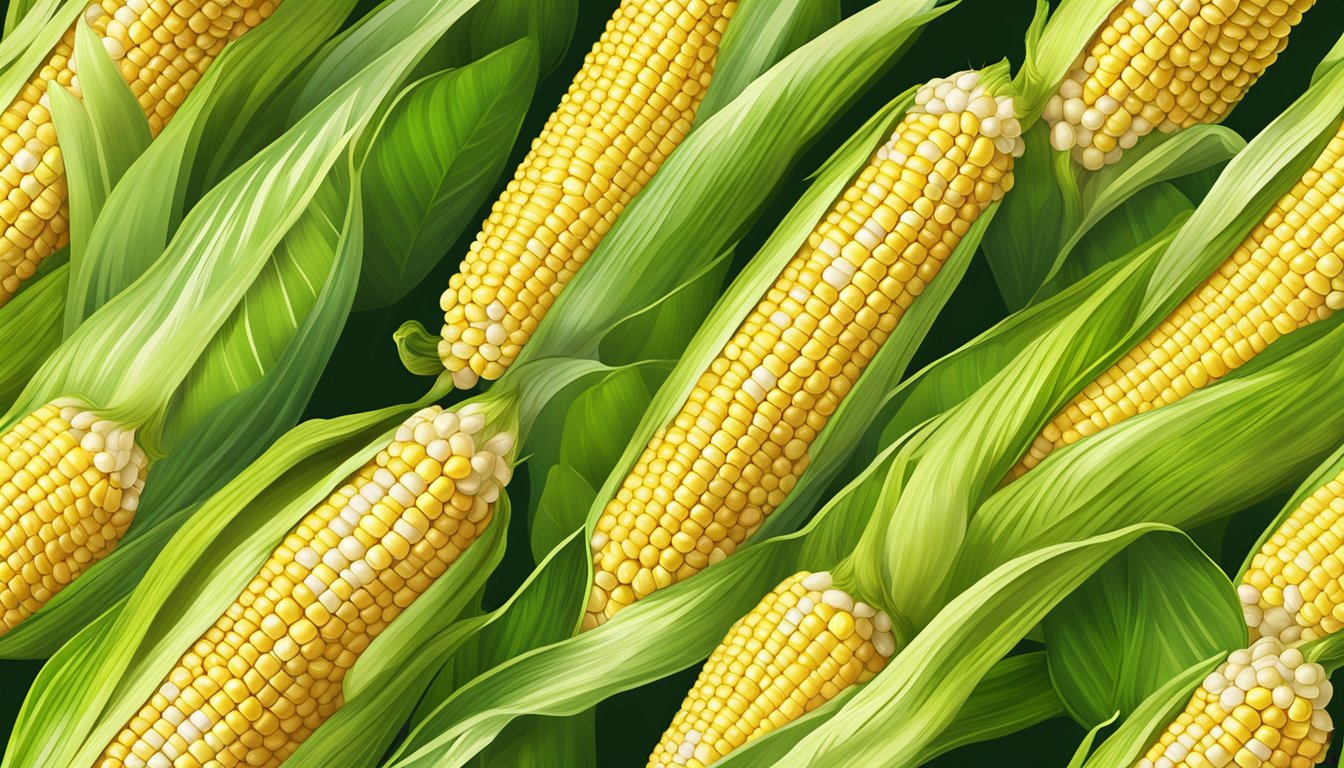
(817, 582)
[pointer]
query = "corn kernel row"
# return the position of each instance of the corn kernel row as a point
(1165, 65)
(803, 645)
(269, 671)
(161, 48)
(70, 484)
(732, 454)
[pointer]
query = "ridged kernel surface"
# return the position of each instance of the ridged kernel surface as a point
(1265, 706)
(1163, 65)
(803, 645)
(628, 108)
(1288, 273)
(731, 455)
(161, 48)
(269, 671)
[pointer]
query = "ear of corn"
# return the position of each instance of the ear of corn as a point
(629, 107)
(1264, 706)
(803, 645)
(161, 49)
(1288, 273)
(269, 671)
(1292, 590)
(711, 476)
(1163, 65)
(70, 483)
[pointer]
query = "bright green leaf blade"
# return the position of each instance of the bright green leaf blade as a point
(720, 175)
(30, 330)
(196, 149)
(1136, 733)
(436, 157)
(761, 33)
(1149, 613)
(927, 683)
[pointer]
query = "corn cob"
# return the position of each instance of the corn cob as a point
(1265, 706)
(269, 671)
(70, 483)
(801, 647)
(710, 477)
(1285, 275)
(628, 108)
(161, 48)
(1165, 65)
(1292, 590)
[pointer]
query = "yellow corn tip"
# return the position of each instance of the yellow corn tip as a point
(1265, 706)
(731, 455)
(801, 646)
(1165, 65)
(631, 105)
(1285, 275)
(1292, 590)
(70, 483)
(161, 48)
(269, 671)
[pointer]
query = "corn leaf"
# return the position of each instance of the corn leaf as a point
(100, 138)
(1041, 205)
(143, 213)
(539, 741)
(928, 682)
(1145, 616)
(435, 158)
(283, 295)
(1138, 730)
(1204, 453)
(907, 541)
(19, 9)
(1033, 251)
(497, 23)
(1162, 158)
(30, 329)
(586, 454)
(226, 440)
(1136, 221)
(29, 41)
(760, 34)
(550, 26)
(1014, 694)
(717, 179)
(160, 326)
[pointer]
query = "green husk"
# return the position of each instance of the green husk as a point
(1145, 616)
(708, 191)
(437, 155)
(228, 331)
(1055, 206)
(759, 36)
(846, 427)
(195, 151)
(100, 138)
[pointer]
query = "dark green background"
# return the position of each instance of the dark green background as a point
(365, 372)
